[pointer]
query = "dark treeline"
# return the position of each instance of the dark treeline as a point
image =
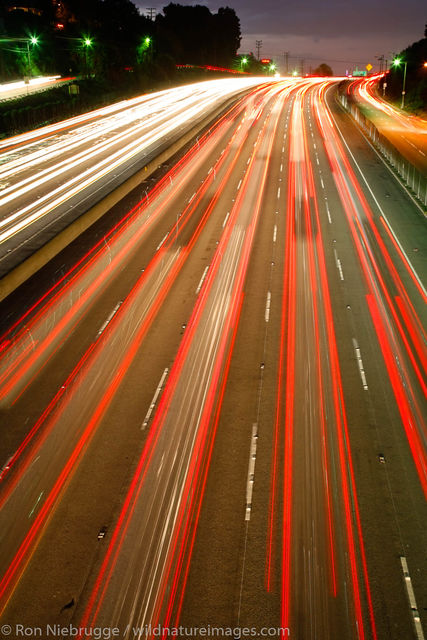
(110, 38)
(416, 76)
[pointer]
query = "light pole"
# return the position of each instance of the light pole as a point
(396, 63)
(33, 40)
(87, 42)
(146, 49)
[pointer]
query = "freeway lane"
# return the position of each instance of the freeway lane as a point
(46, 184)
(258, 451)
(33, 478)
(381, 511)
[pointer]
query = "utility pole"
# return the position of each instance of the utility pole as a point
(286, 55)
(381, 61)
(151, 13)
(258, 44)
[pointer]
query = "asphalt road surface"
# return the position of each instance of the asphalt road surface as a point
(214, 411)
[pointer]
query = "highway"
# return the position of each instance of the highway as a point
(213, 406)
(407, 132)
(53, 175)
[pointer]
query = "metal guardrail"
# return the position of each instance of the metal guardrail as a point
(414, 179)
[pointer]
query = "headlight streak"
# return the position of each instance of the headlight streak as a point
(78, 380)
(38, 336)
(186, 103)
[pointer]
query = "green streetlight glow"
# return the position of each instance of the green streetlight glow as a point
(87, 42)
(147, 41)
(244, 61)
(294, 73)
(396, 63)
(272, 66)
(34, 40)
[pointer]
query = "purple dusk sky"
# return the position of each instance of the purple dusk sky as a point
(342, 33)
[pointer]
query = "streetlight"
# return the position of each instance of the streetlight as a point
(32, 40)
(397, 62)
(243, 62)
(272, 67)
(146, 48)
(87, 42)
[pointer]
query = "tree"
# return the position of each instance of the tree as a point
(193, 35)
(227, 36)
(323, 70)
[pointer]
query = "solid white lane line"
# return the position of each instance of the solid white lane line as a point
(154, 400)
(251, 471)
(360, 364)
(202, 279)
(267, 307)
(411, 598)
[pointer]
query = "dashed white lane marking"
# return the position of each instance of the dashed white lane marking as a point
(225, 220)
(267, 307)
(281, 167)
(192, 197)
(251, 471)
(328, 212)
(339, 266)
(239, 185)
(248, 161)
(275, 233)
(162, 242)
(360, 364)
(202, 279)
(411, 598)
(321, 182)
(278, 192)
(154, 400)
(110, 317)
(317, 160)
